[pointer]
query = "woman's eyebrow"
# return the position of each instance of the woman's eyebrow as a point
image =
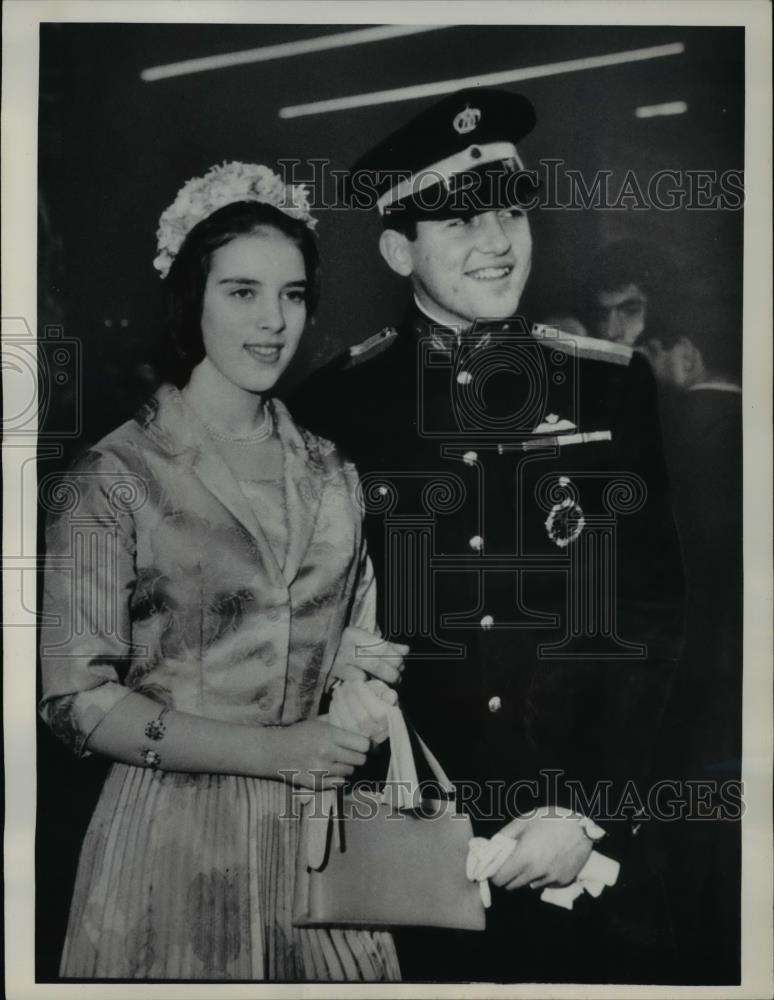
(300, 282)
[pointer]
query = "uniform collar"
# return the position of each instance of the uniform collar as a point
(442, 336)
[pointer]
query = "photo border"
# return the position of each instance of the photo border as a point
(21, 19)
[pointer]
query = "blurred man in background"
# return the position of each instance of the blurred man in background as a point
(697, 362)
(625, 291)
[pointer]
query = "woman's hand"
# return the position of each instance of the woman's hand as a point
(363, 654)
(362, 706)
(316, 754)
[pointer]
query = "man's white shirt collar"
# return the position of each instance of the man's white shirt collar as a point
(718, 386)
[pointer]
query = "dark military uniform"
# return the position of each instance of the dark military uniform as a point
(518, 517)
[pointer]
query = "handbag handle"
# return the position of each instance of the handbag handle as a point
(402, 771)
(401, 778)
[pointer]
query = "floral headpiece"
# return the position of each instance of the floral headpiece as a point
(223, 185)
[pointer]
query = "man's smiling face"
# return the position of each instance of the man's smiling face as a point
(470, 268)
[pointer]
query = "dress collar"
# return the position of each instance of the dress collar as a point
(176, 428)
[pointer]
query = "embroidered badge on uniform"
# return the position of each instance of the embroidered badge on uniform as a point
(565, 520)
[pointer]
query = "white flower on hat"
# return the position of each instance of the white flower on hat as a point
(224, 185)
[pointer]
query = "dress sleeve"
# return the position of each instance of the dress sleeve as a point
(363, 607)
(85, 646)
(364, 603)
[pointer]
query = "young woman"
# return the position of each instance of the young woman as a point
(203, 563)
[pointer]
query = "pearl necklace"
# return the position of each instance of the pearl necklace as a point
(263, 433)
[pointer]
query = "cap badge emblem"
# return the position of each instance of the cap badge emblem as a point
(467, 120)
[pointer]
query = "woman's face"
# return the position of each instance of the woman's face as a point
(254, 308)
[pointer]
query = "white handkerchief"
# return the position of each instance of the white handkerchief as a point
(564, 896)
(485, 893)
(598, 872)
(599, 868)
(485, 855)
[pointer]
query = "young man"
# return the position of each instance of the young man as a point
(697, 364)
(626, 291)
(519, 524)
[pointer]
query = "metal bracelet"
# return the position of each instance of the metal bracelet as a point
(151, 758)
(156, 729)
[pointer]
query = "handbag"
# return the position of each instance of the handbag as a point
(386, 859)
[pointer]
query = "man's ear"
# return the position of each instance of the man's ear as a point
(395, 249)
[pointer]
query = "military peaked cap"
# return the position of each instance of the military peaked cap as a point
(457, 157)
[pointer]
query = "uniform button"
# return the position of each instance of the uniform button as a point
(470, 457)
(265, 703)
(275, 614)
(495, 703)
(464, 378)
(487, 621)
(476, 543)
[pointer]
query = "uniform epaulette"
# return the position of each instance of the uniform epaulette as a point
(583, 347)
(371, 347)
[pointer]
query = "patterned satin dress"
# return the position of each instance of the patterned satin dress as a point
(167, 575)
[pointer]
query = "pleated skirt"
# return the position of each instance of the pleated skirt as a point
(191, 876)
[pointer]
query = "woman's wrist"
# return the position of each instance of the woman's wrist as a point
(139, 731)
(266, 752)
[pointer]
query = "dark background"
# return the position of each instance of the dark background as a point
(114, 150)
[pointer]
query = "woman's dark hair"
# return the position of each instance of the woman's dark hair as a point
(187, 279)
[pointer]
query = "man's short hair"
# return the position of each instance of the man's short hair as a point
(628, 262)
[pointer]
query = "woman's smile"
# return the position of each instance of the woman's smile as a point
(265, 353)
